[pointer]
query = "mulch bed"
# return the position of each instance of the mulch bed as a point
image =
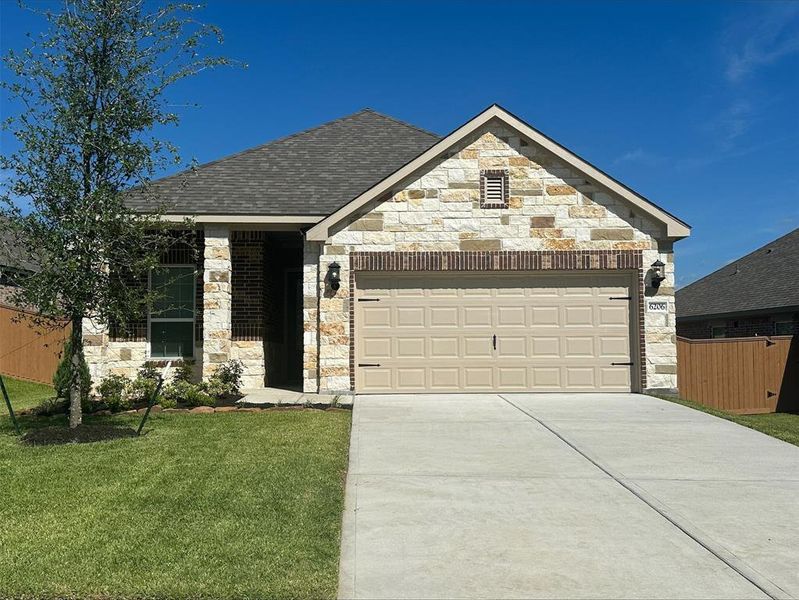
(83, 434)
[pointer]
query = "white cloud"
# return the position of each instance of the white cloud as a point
(761, 40)
(638, 156)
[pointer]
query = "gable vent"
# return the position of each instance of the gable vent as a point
(494, 188)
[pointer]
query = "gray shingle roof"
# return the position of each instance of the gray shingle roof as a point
(313, 172)
(12, 254)
(765, 279)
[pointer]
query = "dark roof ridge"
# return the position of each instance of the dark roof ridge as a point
(401, 122)
(739, 259)
(282, 139)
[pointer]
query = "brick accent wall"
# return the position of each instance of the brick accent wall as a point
(247, 258)
(551, 208)
(519, 260)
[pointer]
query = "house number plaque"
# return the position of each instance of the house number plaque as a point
(658, 306)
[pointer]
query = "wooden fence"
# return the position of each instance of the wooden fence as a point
(26, 352)
(740, 375)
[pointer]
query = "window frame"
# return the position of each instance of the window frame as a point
(485, 174)
(713, 335)
(192, 320)
(791, 324)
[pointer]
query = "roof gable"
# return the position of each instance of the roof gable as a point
(308, 173)
(673, 227)
(763, 279)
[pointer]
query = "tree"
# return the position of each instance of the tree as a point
(92, 95)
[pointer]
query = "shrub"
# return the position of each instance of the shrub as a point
(141, 389)
(61, 377)
(183, 392)
(148, 371)
(51, 406)
(227, 378)
(184, 371)
(114, 391)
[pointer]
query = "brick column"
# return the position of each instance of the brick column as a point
(217, 322)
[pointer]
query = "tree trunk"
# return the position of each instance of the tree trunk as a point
(76, 344)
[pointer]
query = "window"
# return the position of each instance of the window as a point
(718, 331)
(172, 316)
(493, 188)
(785, 327)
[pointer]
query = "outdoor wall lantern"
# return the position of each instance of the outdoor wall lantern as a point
(334, 276)
(658, 273)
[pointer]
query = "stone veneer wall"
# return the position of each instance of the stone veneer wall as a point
(550, 207)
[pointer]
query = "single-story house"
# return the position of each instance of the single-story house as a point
(754, 295)
(368, 255)
(15, 265)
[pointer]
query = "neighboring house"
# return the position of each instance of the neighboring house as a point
(369, 255)
(14, 265)
(754, 295)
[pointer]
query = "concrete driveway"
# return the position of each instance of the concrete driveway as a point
(565, 496)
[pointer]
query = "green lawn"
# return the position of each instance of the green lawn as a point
(782, 426)
(221, 505)
(24, 394)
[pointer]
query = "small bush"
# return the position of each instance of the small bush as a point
(51, 406)
(227, 378)
(184, 371)
(61, 378)
(114, 391)
(142, 389)
(183, 392)
(148, 371)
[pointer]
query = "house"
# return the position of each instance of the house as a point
(754, 295)
(14, 266)
(368, 255)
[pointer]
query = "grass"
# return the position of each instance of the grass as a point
(202, 506)
(24, 394)
(783, 426)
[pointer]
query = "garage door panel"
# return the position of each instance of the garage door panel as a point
(580, 377)
(478, 378)
(477, 347)
(512, 378)
(376, 347)
(444, 347)
(579, 347)
(410, 378)
(477, 316)
(409, 316)
(443, 316)
(545, 347)
(512, 347)
(410, 347)
(511, 316)
(556, 332)
(613, 315)
(375, 316)
(444, 378)
(545, 315)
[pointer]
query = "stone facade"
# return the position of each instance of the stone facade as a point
(218, 323)
(550, 207)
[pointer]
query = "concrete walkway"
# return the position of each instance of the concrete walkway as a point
(553, 496)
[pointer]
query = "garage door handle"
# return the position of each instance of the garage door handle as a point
(627, 364)
(620, 298)
(368, 364)
(495, 342)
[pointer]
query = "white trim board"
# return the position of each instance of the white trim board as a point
(674, 228)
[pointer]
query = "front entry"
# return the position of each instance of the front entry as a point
(482, 332)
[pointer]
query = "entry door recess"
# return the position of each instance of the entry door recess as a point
(492, 332)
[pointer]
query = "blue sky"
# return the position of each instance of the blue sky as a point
(693, 104)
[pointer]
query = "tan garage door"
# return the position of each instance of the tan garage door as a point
(492, 332)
